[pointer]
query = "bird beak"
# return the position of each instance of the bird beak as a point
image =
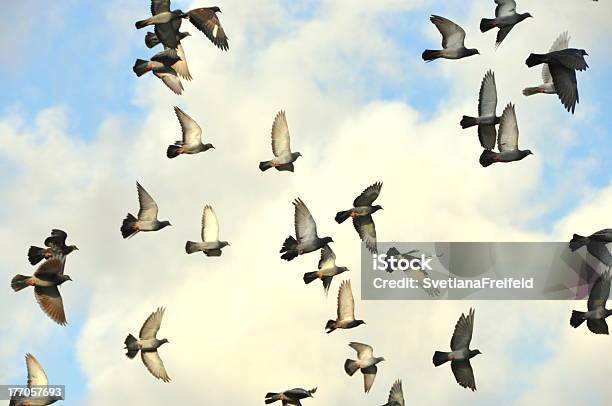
(76, 248)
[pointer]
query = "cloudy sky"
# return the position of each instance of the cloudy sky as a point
(78, 129)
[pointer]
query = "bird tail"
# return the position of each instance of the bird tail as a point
(173, 151)
(440, 358)
(577, 242)
(140, 67)
(141, 24)
(265, 165)
(530, 91)
(131, 345)
(487, 158)
(486, 24)
(331, 326)
(310, 276)
(271, 397)
(341, 216)
(350, 367)
(36, 254)
(535, 59)
(430, 55)
(151, 40)
(467, 122)
(20, 282)
(191, 247)
(127, 228)
(577, 318)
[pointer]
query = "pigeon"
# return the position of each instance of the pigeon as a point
(596, 305)
(461, 353)
(147, 216)
(281, 148)
(416, 274)
(346, 310)
(505, 19)
(361, 213)
(56, 248)
(46, 279)
(205, 19)
(305, 232)
(210, 245)
(602, 236)
(563, 65)
(453, 37)
(327, 269)
(487, 117)
(161, 66)
(548, 87)
(36, 378)
(366, 362)
(164, 21)
(192, 137)
(396, 395)
(290, 397)
(507, 141)
(180, 66)
(148, 345)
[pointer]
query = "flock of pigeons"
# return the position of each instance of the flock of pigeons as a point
(558, 77)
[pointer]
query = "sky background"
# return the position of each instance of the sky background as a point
(78, 129)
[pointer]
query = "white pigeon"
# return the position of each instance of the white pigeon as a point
(191, 142)
(210, 245)
(281, 146)
(453, 41)
(36, 378)
(345, 311)
(366, 361)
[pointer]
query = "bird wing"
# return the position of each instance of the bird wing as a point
(210, 225)
(604, 235)
(36, 373)
(49, 269)
(181, 67)
(487, 135)
(507, 138)
(364, 351)
(56, 240)
(464, 375)
(50, 301)
(570, 58)
(192, 133)
(453, 35)
(155, 365)
(502, 34)
(487, 98)
(369, 374)
(160, 6)
(566, 85)
(346, 303)
(151, 325)
(598, 326)
(367, 197)
(328, 258)
(205, 20)
(305, 226)
(463, 332)
(396, 394)
(280, 135)
(562, 42)
(366, 229)
(505, 8)
(148, 207)
(599, 292)
(170, 79)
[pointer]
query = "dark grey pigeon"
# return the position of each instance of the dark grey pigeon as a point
(563, 65)
(453, 37)
(206, 20)
(191, 143)
(418, 275)
(36, 378)
(290, 397)
(396, 395)
(210, 245)
(461, 354)
(327, 269)
(366, 362)
(164, 20)
(547, 86)
(147, 216)
(505, 19)
(306, 233)
(487, 116)
(346, 310)
(361, 213)
(181, 67)
(596, 305)
(281, 146)
(161, 66)
(56, 248)
(148, 345)
(46, 279)
(596, 245)
(507, 141)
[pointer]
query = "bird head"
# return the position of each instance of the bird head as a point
(527, 15)
(472, 51)
(377, 207)
(72, 248)
(327, 240)
(164, 341)
(64, 279)
(528, 152)
(342, 269)
(180, 14)
(474, 353)
(224, 243)
(215, 9)
(380, 359)
(164, 224)
(359, 323)
(209, 146)
(183, 35)
(310, 392)
(583, 52)
(297, 154)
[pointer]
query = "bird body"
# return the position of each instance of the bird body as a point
(597, 313)
(210, 245)
(289, 397)
(366, 362)
(327, 269)
(361, 213)
(306, 233)
(507, 141)
(148, 343)
(453, 41)
(281, 146)
(147, 216)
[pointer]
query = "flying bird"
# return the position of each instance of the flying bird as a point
(596, 245)
(281, 148)
(290, 397)
(366, 361)
(206, 20)
(361, 213)
(46, 279)
(192, 137)
(396, 395)
(505, 19)
(161, 66)
(453, 37)
(210, 245)
(346, 310)
(147, 216)
(487, 116)
(596, 305)
(56, 248)
(148, 345)
(563, 65)
(161, 17)
(180, 66)
(305, 232)
(461, 354)
(547, 86)
(327, 269)
(507, 141)
(417, 274)
(37, 378)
